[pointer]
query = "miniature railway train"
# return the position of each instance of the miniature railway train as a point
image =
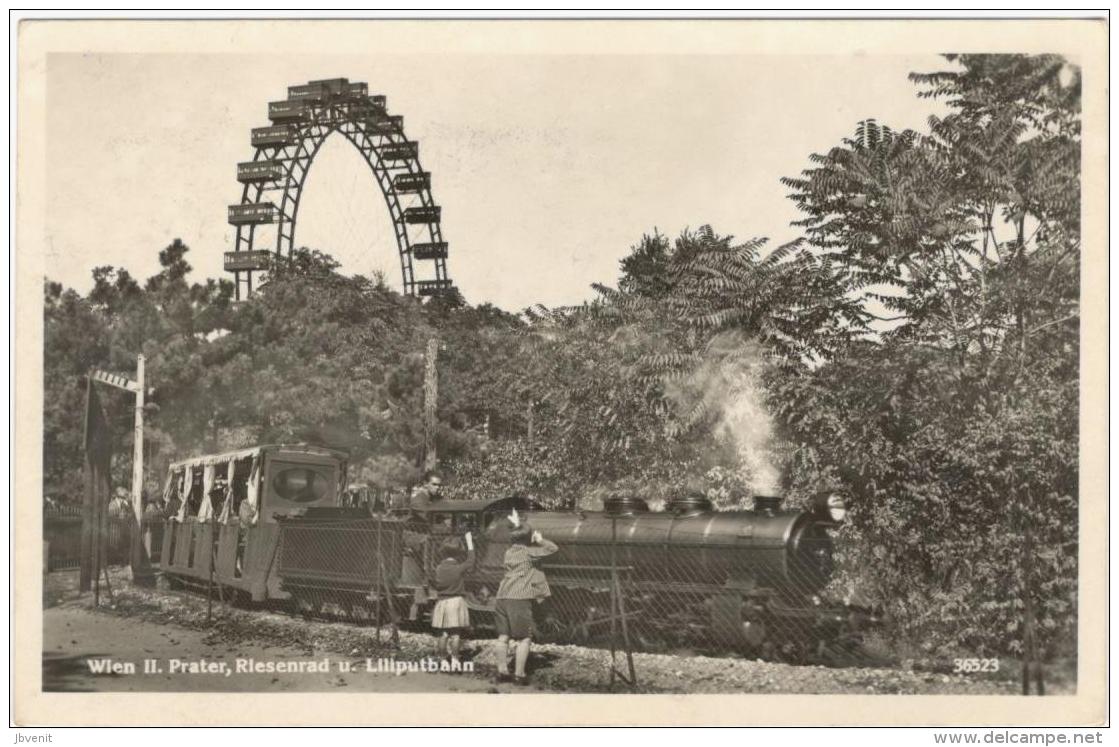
(275, 529)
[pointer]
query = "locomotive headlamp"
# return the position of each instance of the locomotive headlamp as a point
(830, 504)
(837, 508)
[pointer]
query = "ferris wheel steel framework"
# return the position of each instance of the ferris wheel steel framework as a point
(284, 152)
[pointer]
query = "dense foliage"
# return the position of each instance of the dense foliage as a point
(956, 428)
(918, 349)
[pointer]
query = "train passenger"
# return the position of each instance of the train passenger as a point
(451, 616)
(153, 511)
(246, 513)
(217, 497)
(193, 498)
(430, 492)
(171, 510)
(119, 507)
(522, 585)
(246, 517)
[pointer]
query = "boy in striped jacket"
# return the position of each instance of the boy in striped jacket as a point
(522, 585)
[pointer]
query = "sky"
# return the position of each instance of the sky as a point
(548, 167)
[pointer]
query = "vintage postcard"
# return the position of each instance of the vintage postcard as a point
(561, 372)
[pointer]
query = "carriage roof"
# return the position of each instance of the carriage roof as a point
(232, 456)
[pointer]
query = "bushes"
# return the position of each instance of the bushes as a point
(964, 494)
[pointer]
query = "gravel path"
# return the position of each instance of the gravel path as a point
(554, 668)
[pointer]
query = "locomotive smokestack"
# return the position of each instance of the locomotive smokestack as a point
(689, 505)
(768, 503)
(625, 506)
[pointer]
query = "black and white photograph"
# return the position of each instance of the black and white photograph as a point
(530, 359)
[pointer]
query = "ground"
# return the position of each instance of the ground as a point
(138, 624)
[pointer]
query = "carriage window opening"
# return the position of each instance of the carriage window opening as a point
(194, 497)
(300, 485)
(219, 490)
(240, 487)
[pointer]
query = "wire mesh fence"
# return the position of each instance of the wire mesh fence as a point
(708, 584)
(347, 568)
(701, 583)
(684, 581)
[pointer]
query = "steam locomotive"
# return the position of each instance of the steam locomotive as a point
(746, 581)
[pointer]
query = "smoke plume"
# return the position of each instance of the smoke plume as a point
(725, 390)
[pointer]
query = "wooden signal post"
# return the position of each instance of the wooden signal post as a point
(431, 394)
(141, 549)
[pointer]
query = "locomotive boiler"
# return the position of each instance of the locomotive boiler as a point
(691, 543)
(745, 580)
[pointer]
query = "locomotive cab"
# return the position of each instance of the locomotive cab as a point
(431, 525)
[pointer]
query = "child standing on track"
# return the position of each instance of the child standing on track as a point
(522, 585)
(451, 616)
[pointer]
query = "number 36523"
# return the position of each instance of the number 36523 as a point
(966, 666)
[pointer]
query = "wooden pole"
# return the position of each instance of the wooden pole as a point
(138, 446)
(431, 395)
(85, 574)
(1031, 665)
(380, 579)
(140, 546)
(613, 599)
(531, 423)
(618, 615)
(624, 616)
(210, 593)
(105, 572)
(98, 547)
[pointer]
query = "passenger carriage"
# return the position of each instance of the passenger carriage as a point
(310, 532)
(274, 480)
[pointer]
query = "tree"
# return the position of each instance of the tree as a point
(967, 236)
(954, 425)
(166, 319)
(645, 270)
(74, 340)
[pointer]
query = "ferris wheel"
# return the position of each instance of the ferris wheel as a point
(273, 181)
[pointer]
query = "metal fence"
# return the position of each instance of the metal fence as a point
(699, 591)
(721, 584)
(62, 538)
(737, 583)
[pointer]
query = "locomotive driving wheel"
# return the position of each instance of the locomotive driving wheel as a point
(305, 606)
(739, 622)
(552, 627)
